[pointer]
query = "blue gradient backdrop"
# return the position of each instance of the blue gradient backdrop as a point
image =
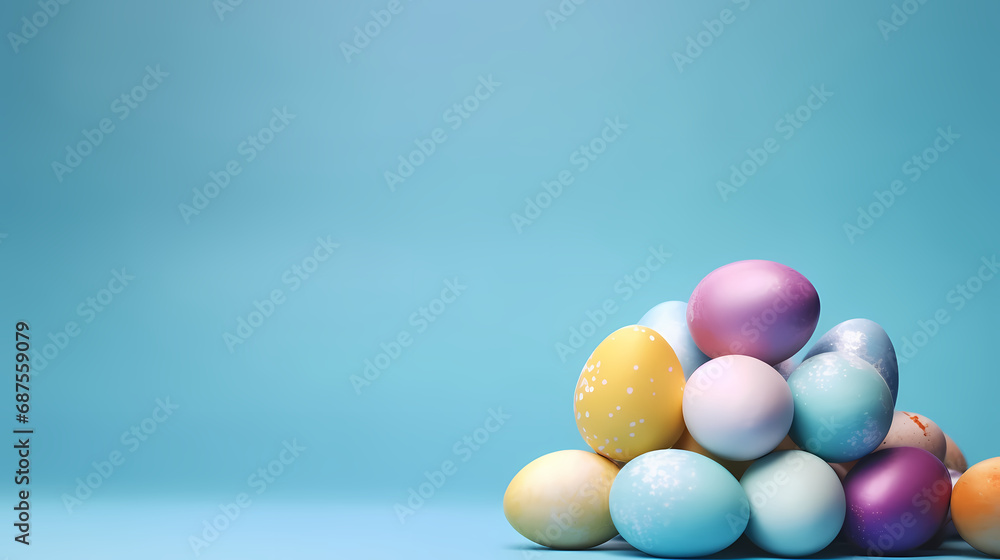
(524, 286)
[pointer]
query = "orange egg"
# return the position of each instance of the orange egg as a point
(687, 443)
(629, 395)
(975, 506)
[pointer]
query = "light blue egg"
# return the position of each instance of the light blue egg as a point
(675, 503)
(843, 408)
(867, 340)
(670, 320)
(797, 503)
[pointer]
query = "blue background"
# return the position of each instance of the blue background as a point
(495, 346)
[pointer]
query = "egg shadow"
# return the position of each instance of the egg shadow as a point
(744, 548)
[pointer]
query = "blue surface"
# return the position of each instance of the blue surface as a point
(470, 311)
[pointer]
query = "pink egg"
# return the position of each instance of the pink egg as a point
(756, 308)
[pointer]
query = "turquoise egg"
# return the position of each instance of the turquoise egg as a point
(797, 503)
(670, 320)
(675, 503)
(843, 407)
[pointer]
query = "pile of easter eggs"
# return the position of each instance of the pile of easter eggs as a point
(704, 429)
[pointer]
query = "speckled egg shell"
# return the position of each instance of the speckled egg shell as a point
(914, 430)
(864, 339)
(678, 504)
(628, 398)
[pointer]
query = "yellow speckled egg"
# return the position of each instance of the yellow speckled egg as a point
(629, 396)
(560, 500)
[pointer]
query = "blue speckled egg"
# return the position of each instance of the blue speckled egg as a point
(670, 320)
(843, 408)
(866, 340)
(797, 503)
(675, 503)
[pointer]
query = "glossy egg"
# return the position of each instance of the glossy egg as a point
(756, 308)
(679, 504)
(897, 499)
(628, 398)
(560, 500)
(975, 506)
(914, 430)
(738, 407)
(843, 408)
(670, 320)
(797, 503)
(953, 456)
(864, 339)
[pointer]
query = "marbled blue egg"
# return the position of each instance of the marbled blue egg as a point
(866, 340)
(670, 320)
(675, 503)
(786, 367)
(843, 408)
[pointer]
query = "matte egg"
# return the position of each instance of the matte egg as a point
(843, 408)
(953, 456)
(867, 340)
(738, 407)
(975, 506)
(897, 499)
(797, 503)
(560, 500)
(756, 308)
(914, 430)
(674, 503)
(628, 398)
(670, 320)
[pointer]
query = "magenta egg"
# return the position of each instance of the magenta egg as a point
(897, 499)
(756, 308)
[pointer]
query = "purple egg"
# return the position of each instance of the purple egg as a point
(756, 308)
(897, 499)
